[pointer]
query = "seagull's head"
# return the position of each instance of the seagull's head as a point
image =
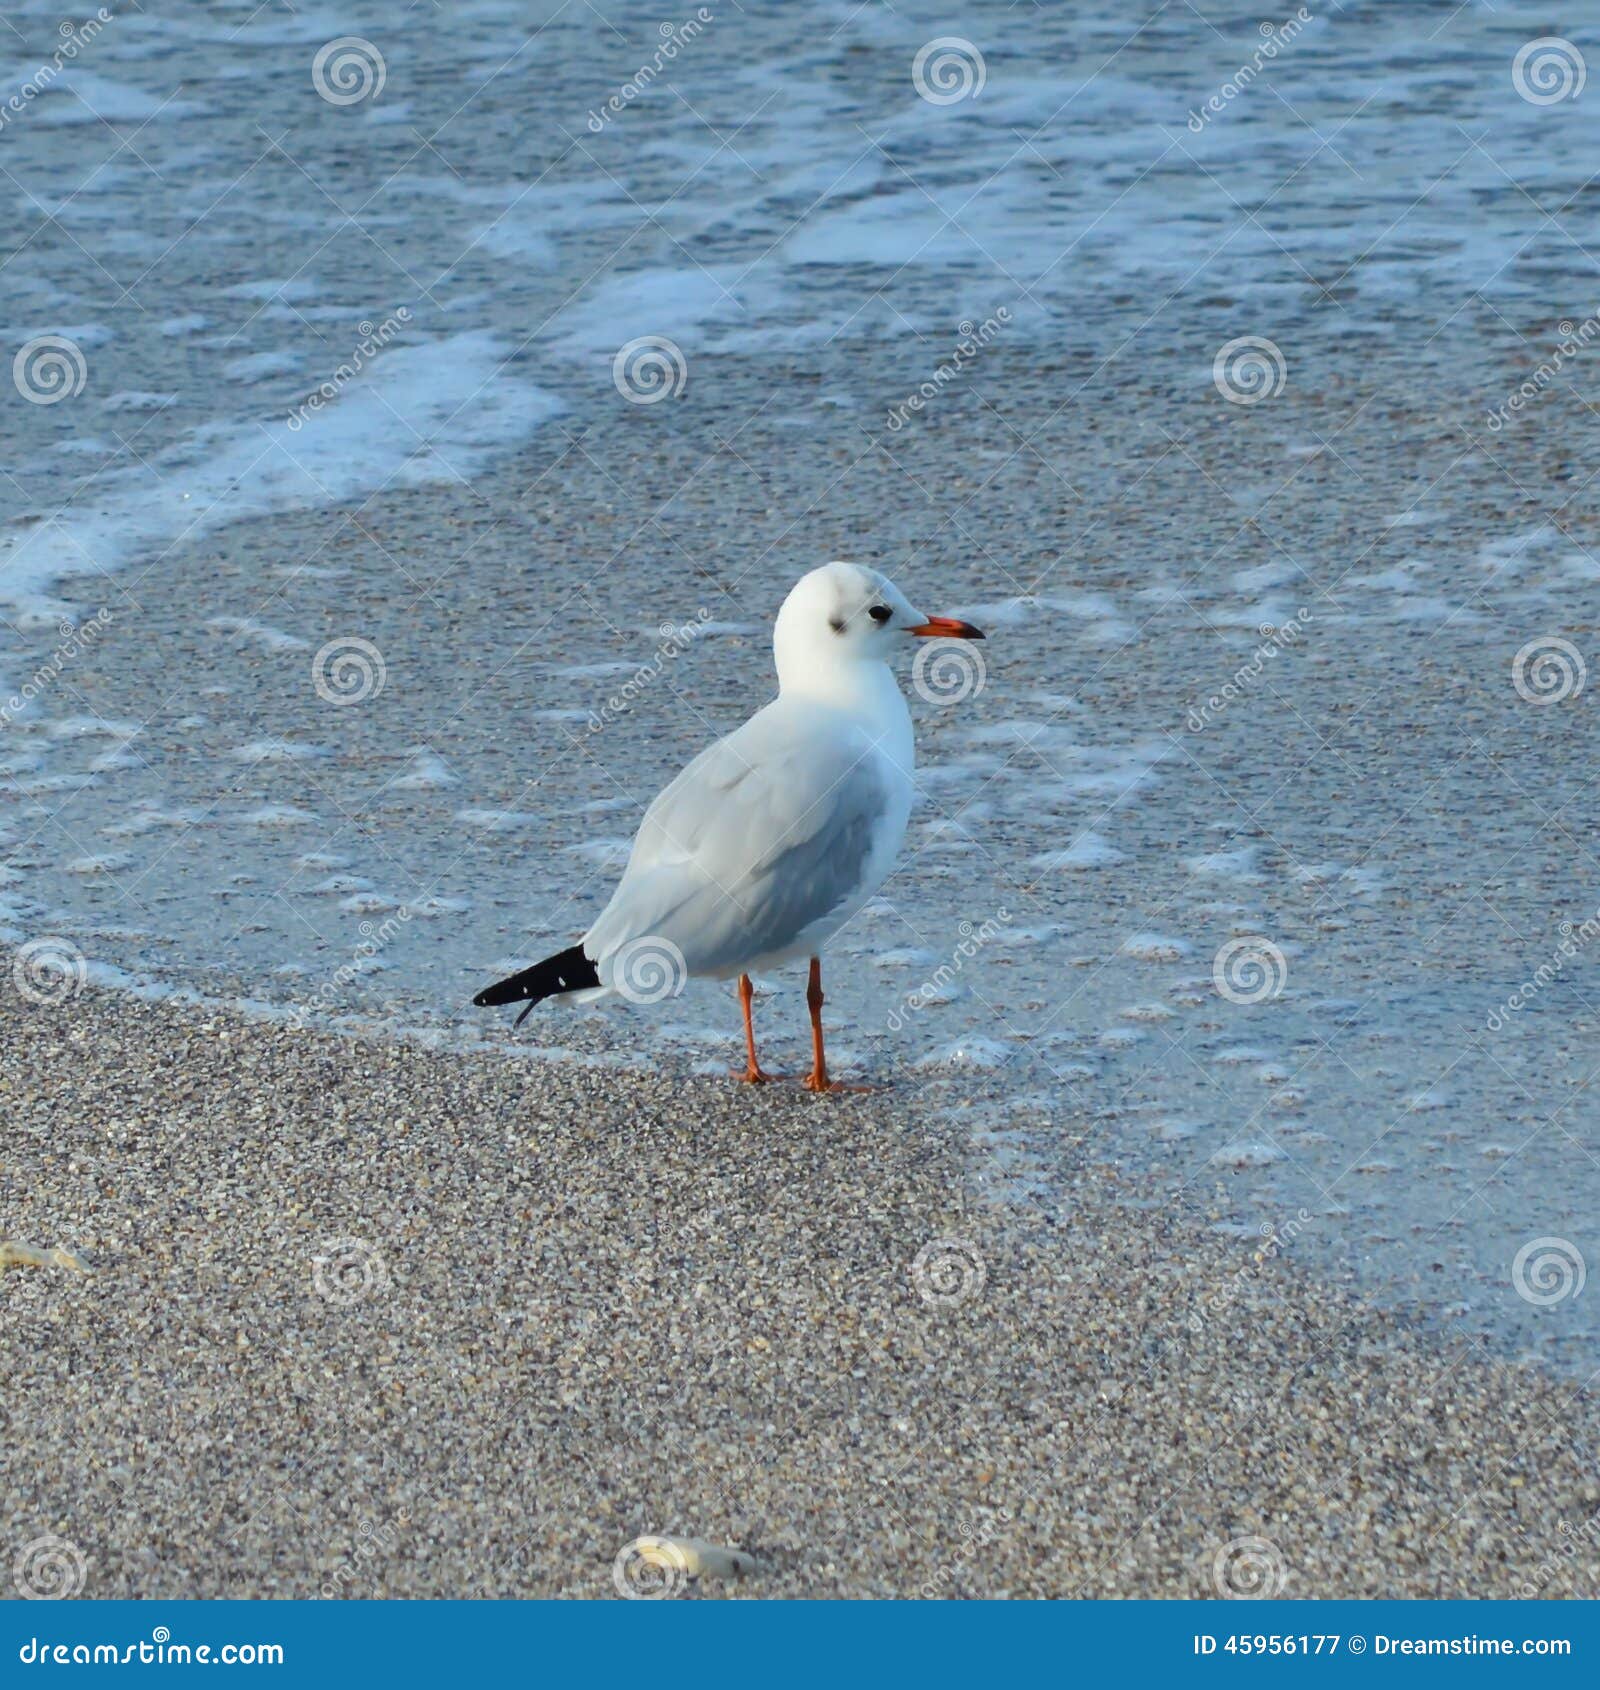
(846, 613)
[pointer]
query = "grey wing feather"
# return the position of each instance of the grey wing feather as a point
(757, 840)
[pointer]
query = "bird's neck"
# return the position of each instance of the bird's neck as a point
(866, 692)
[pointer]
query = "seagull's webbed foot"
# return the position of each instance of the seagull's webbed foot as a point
(821, 1083)
(754, 1076)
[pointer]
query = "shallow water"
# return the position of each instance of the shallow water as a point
(1260, 852)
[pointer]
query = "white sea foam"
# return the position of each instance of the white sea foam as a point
(420, 414)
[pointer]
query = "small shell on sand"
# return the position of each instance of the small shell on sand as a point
(694, 1557)
(15, 1255)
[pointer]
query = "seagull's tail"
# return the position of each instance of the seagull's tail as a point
(567, 971)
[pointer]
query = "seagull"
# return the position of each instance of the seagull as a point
(773, 838)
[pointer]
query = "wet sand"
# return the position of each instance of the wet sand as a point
(1261, 483)
(364, 1319)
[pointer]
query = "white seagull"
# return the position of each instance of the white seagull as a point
(773, 838)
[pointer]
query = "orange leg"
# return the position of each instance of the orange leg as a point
(752, 1072)
(817, 1079)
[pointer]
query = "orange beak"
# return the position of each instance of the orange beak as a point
(946, 628)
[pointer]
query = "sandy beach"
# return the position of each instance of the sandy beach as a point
(365, 1320)
(402, 476)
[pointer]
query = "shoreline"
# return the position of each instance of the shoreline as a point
(366, 1319)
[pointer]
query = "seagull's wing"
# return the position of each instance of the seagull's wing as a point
(765, 834)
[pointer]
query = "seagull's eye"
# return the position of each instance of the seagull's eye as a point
(880, 613)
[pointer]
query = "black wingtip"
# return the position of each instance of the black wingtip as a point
(567, 971)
